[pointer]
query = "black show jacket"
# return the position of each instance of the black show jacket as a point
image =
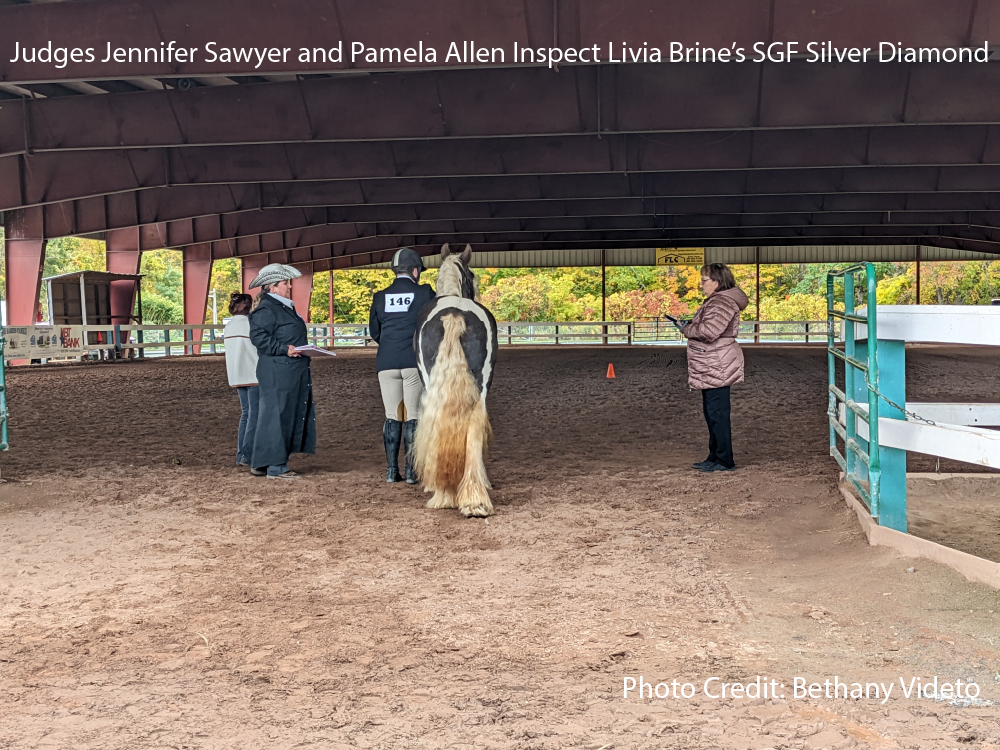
(393, 321)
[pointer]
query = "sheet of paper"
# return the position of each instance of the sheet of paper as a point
(314, 351)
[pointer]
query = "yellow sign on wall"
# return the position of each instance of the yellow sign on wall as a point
(680, 256)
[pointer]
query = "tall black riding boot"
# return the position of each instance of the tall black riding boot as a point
(409, 445)
(391, 431)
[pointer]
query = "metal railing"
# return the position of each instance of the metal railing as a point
(565, 332)
(172, 340)
(857, 460)
(781, 331)
(179, 340)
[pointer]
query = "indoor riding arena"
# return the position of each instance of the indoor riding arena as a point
(155, 595)
(839, 589)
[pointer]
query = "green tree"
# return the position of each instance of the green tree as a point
(162, 287)
(519, 298)
(793, 307)
(227, 279)
(353, 291)
(644, 304)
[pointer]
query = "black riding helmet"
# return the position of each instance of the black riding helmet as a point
(406, 259)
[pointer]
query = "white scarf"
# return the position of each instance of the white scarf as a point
(283, 300)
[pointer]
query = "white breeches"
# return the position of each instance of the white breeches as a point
(401, 391)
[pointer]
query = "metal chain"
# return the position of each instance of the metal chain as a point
(894, 405)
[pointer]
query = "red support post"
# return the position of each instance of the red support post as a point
(302, 289)
(197, 277)
(122, 255)
(251, 266)
(24, 253)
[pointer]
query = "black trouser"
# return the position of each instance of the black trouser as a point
(715, 405)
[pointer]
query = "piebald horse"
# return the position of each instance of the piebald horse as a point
(456, 346)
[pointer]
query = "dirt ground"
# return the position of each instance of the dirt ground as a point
(934, 501)
(153, 595)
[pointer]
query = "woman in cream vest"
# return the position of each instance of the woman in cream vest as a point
(241, 366)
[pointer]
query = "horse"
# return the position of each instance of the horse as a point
(456, 347)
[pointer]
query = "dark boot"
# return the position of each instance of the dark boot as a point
(409, 435)
(391, 431)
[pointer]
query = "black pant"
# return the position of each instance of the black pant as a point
(715, 406)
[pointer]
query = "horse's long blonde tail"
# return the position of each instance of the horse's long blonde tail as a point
(450, 409)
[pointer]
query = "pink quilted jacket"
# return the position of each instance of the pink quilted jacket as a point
(714, 358)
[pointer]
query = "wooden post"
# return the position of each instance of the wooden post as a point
(756, 338)
(918, 274)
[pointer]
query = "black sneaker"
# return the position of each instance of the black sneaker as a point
(718, 467)
(701, 465)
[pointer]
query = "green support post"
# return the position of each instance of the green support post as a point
(831, 363)
(850, 418)
(874, 456)
(892, 385)
(3, 395)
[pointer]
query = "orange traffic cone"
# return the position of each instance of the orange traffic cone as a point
(611, 371)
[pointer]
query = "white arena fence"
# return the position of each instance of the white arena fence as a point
(141, 341)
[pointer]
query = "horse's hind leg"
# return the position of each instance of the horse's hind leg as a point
(473, 500)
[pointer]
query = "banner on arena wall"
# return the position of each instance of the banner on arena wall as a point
(42, 342)
(680, 256)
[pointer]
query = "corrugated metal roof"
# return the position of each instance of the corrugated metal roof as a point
(727, 255)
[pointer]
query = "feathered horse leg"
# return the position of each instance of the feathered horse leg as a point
(441, 500)
(473, 500)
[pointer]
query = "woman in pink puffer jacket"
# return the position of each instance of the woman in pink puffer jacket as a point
(715, 361)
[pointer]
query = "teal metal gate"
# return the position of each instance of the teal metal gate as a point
(861, 462)
(3, 395)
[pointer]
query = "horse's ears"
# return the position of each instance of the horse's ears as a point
(466, 255)
(445, 251)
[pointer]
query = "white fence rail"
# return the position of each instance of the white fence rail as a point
(178, 340)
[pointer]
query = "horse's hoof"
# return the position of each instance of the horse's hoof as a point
(480, 511)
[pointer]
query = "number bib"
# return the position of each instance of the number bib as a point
(398, 303)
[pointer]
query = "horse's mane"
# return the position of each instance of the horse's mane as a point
(449, 281)
(454, 267)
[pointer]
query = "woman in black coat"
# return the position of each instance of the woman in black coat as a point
(286, 417)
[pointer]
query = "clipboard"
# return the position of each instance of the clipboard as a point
(313, 351)
(677, 323)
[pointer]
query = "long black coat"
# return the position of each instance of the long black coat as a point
(286, 417)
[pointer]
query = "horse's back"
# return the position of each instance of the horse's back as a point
(479, 340)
